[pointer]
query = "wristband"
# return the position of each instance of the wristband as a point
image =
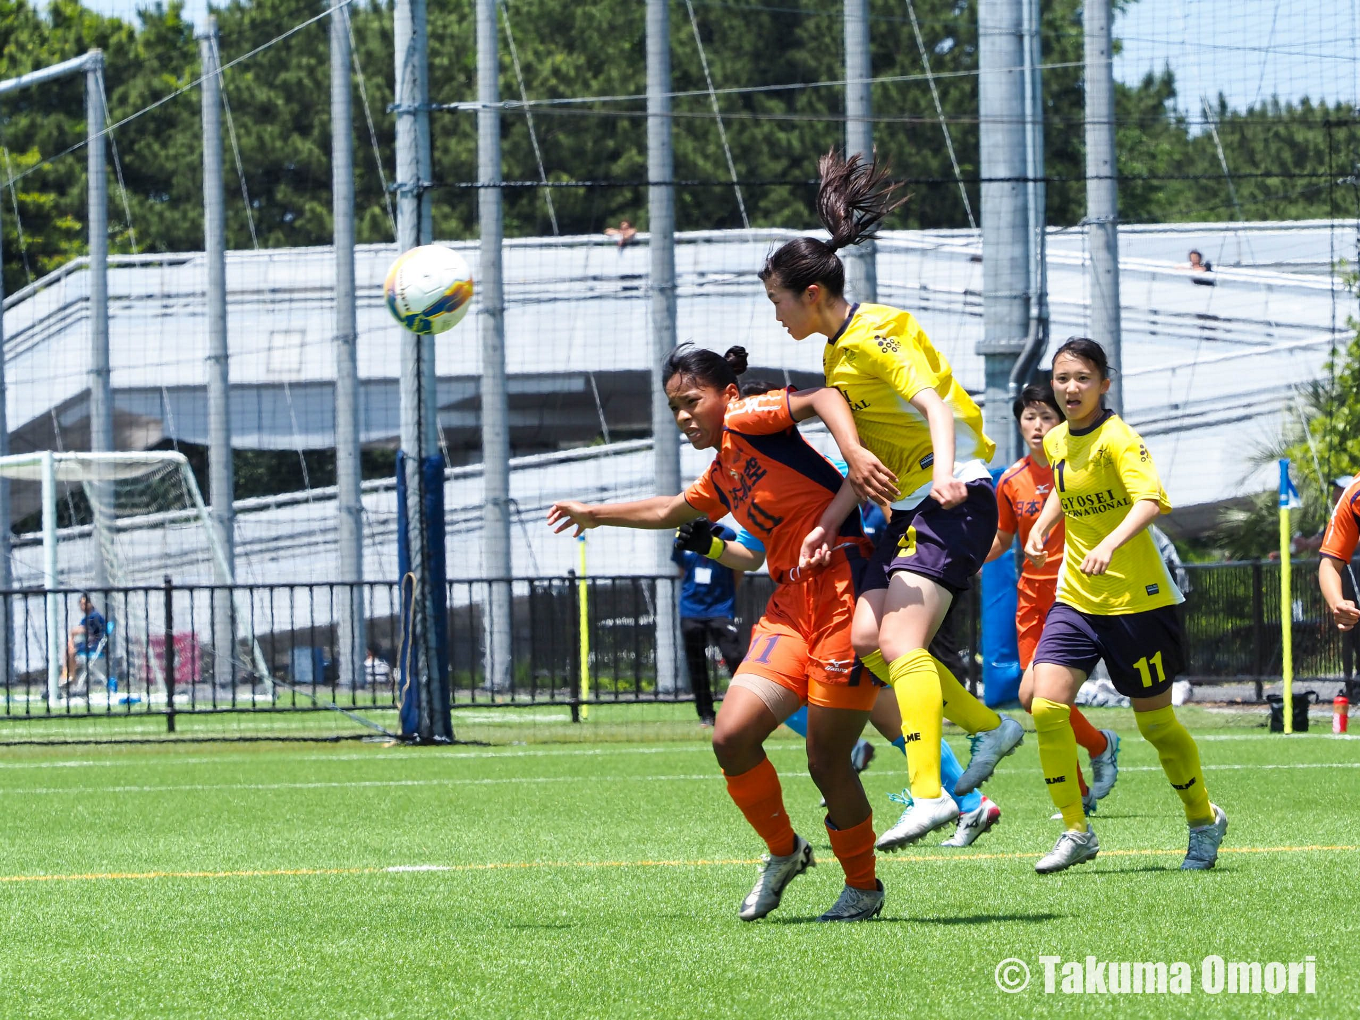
(716, 549)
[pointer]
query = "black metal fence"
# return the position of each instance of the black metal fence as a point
(158, 655)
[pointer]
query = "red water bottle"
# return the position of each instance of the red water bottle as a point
(1341, 709)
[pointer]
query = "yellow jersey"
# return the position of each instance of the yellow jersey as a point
(1098, 475)
(881, 358)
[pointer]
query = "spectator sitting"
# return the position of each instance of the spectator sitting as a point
(1201, 270)
(84, 637)
(377, 672)
(623, 233)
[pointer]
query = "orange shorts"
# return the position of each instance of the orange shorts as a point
(802, 642)
(1035, 599)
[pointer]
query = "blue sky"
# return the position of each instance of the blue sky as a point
(1247, 49)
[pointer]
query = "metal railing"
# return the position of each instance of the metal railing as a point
(157, 655)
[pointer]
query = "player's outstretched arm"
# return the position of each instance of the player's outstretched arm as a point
(656, 513)
(1344, 612)
(1000, 543)
(870, 478)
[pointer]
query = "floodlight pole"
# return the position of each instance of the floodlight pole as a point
(861, 260)
(348, 475)
(1005, 213)
(419, 400)
(221, 483)
(661, 286)
(51, 577)
(101, 392)
(496, 560)
(1102, 193)
(5, 576)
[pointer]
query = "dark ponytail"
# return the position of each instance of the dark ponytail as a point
(1087, 350)
(854, 197)
(705, 367)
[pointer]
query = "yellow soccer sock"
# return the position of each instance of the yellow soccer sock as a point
(917, 687)
(1058, 758)
(1180, 761)
(960, 707)
(874, 663)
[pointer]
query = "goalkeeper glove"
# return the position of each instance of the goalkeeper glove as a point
(697, 536)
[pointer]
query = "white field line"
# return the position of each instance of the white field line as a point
(514, 780)
(433, 754)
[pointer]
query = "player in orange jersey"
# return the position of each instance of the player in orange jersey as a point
(1020, 496)
(777, 487)
(1338, 546)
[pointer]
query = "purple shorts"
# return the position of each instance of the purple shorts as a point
(947, 546)
(1144, 651)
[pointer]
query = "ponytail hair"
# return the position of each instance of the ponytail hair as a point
(705, 367)
(853, 198)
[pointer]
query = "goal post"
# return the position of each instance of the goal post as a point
(129, 517)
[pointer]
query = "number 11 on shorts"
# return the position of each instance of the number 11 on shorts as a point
(1143, 671)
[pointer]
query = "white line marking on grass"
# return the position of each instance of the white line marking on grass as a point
(1275, 765)
(566, 865)
(350, 784)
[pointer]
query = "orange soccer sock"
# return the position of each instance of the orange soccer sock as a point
(758, 794)
(1087, 735)
(854, 848)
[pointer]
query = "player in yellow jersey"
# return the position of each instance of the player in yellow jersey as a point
(1116, 601)
(914, 417)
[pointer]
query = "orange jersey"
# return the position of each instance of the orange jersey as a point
(1343, 529)
(1020, 497)
(769, 478)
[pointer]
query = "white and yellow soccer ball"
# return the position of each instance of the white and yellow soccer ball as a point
(429, 288)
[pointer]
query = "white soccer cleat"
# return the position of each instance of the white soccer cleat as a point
(922, 817)
(856, 904)
(1088, 805)
(1204, 841)
(1105, 766)
(775, 875)
(973, 824)
(1071, 848)
(989, 747)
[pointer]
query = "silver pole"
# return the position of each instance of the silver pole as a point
(101, 394)
(349, 501)
(1038, 188)
(1005, 218)
(51, 577)
(1102, 192)
(661, 214)
(861, 261)
(496, 565)
(5, 577)
(419, 421)
(221, 488)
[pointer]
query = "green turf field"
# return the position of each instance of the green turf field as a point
(601, 880)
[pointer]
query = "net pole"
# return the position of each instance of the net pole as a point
(661, 288)
(1286, 602)
(349, 498)
(1102, 192)
(221, 487)
(861, 260)
(583, 598)
(1005, 214)
(5, 575)
(496, 559)
(101, 394)
(51, 577)
(419, 422)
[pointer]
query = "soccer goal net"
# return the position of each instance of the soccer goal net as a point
(111, 528)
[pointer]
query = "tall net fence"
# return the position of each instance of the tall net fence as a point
(1236, 136)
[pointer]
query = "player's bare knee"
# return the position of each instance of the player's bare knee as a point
(864, 638)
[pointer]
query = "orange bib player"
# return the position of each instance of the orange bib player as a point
(1338, 547)
(777, 486)
(1020, 497)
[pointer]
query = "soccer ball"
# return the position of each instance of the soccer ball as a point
(429, 288)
